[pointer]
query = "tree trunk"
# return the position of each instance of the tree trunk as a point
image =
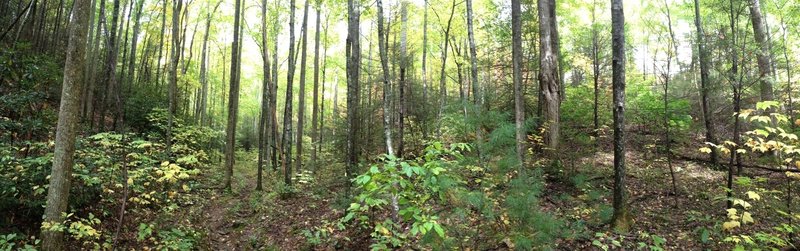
(704, 83)
(265, 93)
(315, 102)
(425, 69)
(549, 75)
(273, 101)
(760, 35)
(387, 89)
(595, 68)
(301, 104)
(516, 61)
(109, 76)
(287, 112)
(621, 220)
(66, 129)
(442, 75)
(353, 54)
(173, 74)
(134, 41)
(402, 83)
(233, 99)
(161, 44)
(473, 58)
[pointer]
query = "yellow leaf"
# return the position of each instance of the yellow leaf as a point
(728, 142)
(731, 212)
(747, 218)
(753, 195)
(130, 181)
(741, 151)
(730, 225)
(705, 150)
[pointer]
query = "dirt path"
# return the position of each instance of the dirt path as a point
(245, 219)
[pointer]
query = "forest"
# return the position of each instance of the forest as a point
(399, 124)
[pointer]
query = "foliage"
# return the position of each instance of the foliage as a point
(405, 191)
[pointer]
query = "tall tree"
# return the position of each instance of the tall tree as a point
(301, 104)
(621, 220)
(424, 66)
(595, 66)
(202, 109)
(442, 75)
(315, 103)
(66, 129)
(110, 70)
(549, 73)
(134, 41)
(473, 58)
(516, 61)
(402, 83)
(353, 54)
(173, 71)
(233, 98)
(387, 85)
(287, 112)
(760, 35)
(704, 84)
(263, 128)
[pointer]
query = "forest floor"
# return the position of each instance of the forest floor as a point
(246, 219)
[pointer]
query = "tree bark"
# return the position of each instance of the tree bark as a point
(66, 129)
(315, 102)
(516, 61)
(353, 54)
(549, 74)
(265, 96)
(704, 84)
(442, 75)
(760, 35)
(173, 74)
(301, 104)
(402, 84)
(287, 112)
(387, 89)
(233, 99)
(621, 220)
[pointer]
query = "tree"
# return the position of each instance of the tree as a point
(287, 112)
(173, 70)
(549, 74)
(387, 86)
(233, 99)
(263, 133)
(704, 82)
(473, 59)
(621, 220)
(442, 74)
(353, 54)
(301, 104)
(66, 129)
(516, 61)
(760, 35)
(424, 66)
(402, 85)
(315, 139)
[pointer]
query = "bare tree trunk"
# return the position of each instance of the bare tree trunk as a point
(287, 112)
(442, 75)
(353, 53)
(672, 49)
(621, 220)
(161, 44)
(704, 82)
(473, 58)
(549, 75)
(387, 89)
(273, 102)
(233, 102)
(134, 41)
(301, 104)
(173, 74)
(595, 67)
(265, 96)
(425, 68)
(315, 102)
(403, 84)
(516, 59)
(66, 129)
(110, 75)
(760, 35)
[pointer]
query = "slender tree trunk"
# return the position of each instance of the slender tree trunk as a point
(621, 220)
(516, 61)
(473, 58)
(442, 75)
(110, 75)
(672, 49)
(265, 96)
(204, 69)
(134, 41)
(273, 102)
(595, 68)
(387, 89)
(66, 129)
(704, 83)
(233, 102)
(425, 69)
(402, 84)
(321, 132)
(173, 74)
(301, 104)
(161, 44)
(353, 54)
(315, 102)
(287, 112)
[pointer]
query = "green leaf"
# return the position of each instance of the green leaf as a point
(438, 229)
